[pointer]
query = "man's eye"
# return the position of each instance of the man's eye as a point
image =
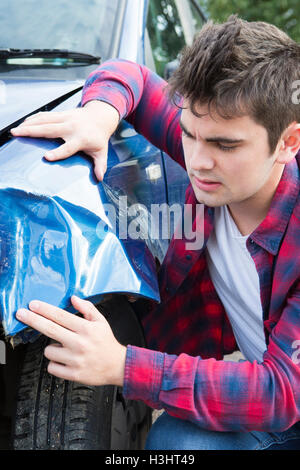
(224, 148)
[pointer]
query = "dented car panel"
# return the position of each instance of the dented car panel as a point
(56, 239)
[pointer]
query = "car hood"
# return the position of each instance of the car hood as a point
(55, 237)
(20, 98)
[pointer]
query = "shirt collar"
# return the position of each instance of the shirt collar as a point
(270, 232)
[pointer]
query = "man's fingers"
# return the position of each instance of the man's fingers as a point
(46, 327)
(85, 307)
(57, 315)
(45, 117)
(74, 128)
(63, 151)
(57, 353)
(50, 131)
(61, 371)
(100, 164)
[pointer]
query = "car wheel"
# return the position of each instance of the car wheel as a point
(52, 413)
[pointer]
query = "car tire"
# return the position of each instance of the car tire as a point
(53, 413)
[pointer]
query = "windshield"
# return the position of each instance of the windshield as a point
(81, 25)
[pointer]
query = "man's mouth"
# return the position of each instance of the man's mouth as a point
(206, 184)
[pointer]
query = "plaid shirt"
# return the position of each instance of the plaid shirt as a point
(189, 379)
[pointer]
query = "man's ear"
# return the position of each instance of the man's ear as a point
(289, 144)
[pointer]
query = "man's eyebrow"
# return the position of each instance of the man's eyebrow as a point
(224, 140)
(183, 128)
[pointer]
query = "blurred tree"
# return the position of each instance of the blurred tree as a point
(166, 30)
(282, 13)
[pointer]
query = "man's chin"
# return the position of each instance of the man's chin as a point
(209, 200)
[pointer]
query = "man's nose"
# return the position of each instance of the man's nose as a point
(201, 158)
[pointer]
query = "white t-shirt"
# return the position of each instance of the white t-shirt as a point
(236, 281)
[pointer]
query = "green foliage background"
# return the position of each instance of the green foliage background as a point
(282, 13)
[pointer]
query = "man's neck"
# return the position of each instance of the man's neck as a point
(250, 213)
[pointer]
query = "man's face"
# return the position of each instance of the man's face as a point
(228, 161)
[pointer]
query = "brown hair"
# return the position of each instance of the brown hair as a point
(241, 68)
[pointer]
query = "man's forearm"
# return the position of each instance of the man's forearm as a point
(140, 96)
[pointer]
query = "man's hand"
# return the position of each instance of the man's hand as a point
(86, 129)
(87, 351)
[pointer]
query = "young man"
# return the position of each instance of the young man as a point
(237, 133)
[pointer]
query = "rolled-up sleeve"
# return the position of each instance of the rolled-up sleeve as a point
(139, 95)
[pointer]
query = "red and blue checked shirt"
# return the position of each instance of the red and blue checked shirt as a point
(188, 333)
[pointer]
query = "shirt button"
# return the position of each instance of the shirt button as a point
(188, 257)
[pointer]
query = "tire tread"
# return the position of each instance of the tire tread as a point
(53, 413)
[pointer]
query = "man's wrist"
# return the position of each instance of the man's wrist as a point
(99, 108)
(119, 368)
(97, 105)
